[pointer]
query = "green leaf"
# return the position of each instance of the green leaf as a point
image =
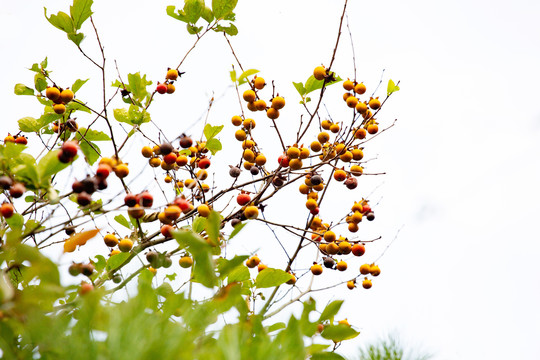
(122, 115)
(75, 106)
(203, 268)
(229, 30)
(233, 75)
(77, 38)
(48, 118)
(236, 230)
(12, 150)
(165, 290)
(241, 273)
(214, 145)
(193, 9)
(100, 263)
(339, 332)
(247, 73)
(199, 223)
(300, 88)
(277, 326)
(222, 8)
(207, 14)
(331, 310)
(210, 131)
(171, 11)
(29, 124)
(271, 277)
(35, 67)
(138, 115)
(123, 221)
(313, 84)
(15, 222)
(80, 11)
(44, 63)
(116, 260)
(78, 84)
(21, 89)
(90, 150)
(326, 356)
(61, 21)
(32, 225)
(137, 85)
(192, 29)
(49, 165)
(391, 88)
(227, 266)
(40, 83)
(315, 348)
(91, 135)
(27, 169)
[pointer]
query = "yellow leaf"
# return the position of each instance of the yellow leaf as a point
(79, 239)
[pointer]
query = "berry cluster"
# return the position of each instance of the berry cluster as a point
(60, 97)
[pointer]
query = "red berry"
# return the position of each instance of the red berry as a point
(63, 158)
(130, 200)
(358, 249)
(283, 160)
(70, 148)
(166, 230)
(204, 163)
(17, 190)
(146, 199)
(161, 88)
(182, 203)
(21, 140)
(366, 208)
(243, 199)
(84, 199)
(77, 187)
(186, 142)
(6, 210)
(103, 171)
(170, 158)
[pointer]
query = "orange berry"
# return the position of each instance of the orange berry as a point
(249, 95)
(360, 88)
(259, 83)
(319, 73)
(316, 269)
(278, 103)
(348, 85)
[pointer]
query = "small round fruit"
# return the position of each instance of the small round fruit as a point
(181, 160)
(186, 262)
(74, 269)
(357, 154)
(260, 105)
(114, 252)
(234, 171)
(84, 199)
(103, 171)
(341, 265)
(6, 210)
(315, 146)
(110, 240)
(260, 160)
(236, 120)
(204, 163)
(125, 245)
(136, 212)
(251, 106)
(66, 96)
(323, 137)
(332, 248)
(249, 95)
(366, 284)
(352, 101)
(253, 261)
(347, 156)
(249, 124)
(130, 200)
(351, 183)
(329, 262)
(364, 269)
(152, 256)
(278, 103)
(167, 262)
(248, 144)
(117, 279)
(293, 152)
(375, 104)
(70, 148)
(85, 288)
(334, 128)
(352, 227)
(173, 212)
(311, 204)
(172, 74)
(345, 247)
(261, 267)
(203, 210)
(351, 284)
(59, 108)
(52, 93)
(243, 199)
(360, 88)
(248, 155)
(344, 322)
(272, 113)
(361, 107)
(372, 129)
(5, 182)
(87, 269)
(16, 190)
(259, 83)
(316, 269)
(161, 88)
(358, 249)
(21, 140)
(304, 153)
(319, 73)
(154, 162)
(240, 135)
(360, 134)
(348, 85)
(283, 160)
(251, 212)
(121, 171)
(374, 270)
(295, 164)
(329, 236)
(186, 142)
(325, 124)
(340, 175)
(170, 89)
(370, 216)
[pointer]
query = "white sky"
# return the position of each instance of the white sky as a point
(462, 278)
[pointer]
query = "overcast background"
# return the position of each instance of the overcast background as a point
(462, 277)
